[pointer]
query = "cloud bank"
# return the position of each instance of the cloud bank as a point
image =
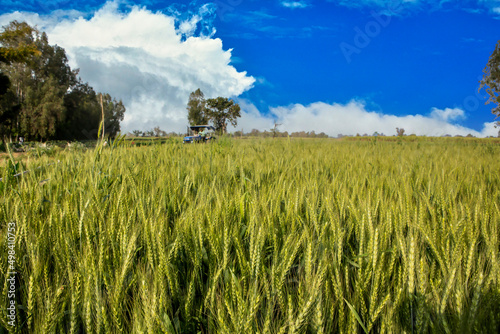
(353, 118)
(149, 60)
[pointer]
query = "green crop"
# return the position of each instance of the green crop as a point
(257, 236)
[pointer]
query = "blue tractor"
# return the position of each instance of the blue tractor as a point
(200, 134)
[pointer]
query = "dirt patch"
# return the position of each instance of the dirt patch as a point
(4, 157)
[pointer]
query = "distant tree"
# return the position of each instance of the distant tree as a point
(275, 130)
(137, 133)
(300, 134)
(222, 110)
(400, 132)
(196, 108)
(322, 135)
(254, 133)
(157, 131)
(491, 80)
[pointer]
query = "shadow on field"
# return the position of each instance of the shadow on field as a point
(417, 315)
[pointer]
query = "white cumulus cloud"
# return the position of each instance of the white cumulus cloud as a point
(353, 117)
(448, 114)
(294, 4)
(145, 59)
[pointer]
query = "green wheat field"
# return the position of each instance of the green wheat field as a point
(256, 236)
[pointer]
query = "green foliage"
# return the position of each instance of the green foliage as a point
(83, 113)
(17, 46)
(76, 146)
(222, 110)
(274, 133)
(259, 236)
(43, 97)
(491, 79)
(113, 114)
(37, 150)
(219, 111)
(43, 109)
(196, 108)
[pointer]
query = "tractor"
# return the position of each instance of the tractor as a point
(199, 134)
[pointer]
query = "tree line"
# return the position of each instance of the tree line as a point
(42, 98)
(155, 132)
(272, 133)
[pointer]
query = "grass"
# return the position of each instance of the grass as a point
(258, 236)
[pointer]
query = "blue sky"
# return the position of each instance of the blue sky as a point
(334, 66)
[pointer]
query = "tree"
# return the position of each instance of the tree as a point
(39, 82)
(15, 48)
(113, 114)
(491, 80)
(400, 132)
(159, 132)
(44, 108)
(9, 111)
(196, 108)
(222, 110)
(82, 113)
(275, 130)
(254, 133)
